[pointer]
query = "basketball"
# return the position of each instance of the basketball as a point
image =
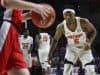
(39, 22)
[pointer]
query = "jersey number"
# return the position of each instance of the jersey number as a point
(76, 40)
(45, 38)
(25, 45)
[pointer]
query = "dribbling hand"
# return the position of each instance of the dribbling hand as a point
(42, 11)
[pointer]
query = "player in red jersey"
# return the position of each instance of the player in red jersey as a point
(11, 58)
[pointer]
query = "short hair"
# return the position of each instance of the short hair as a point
(68, 10)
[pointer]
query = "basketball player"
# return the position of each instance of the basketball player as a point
(43, 42)
(26, 45)
(79, 33)
(11, 58)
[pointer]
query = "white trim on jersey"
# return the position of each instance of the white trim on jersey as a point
(5, 27)
(78, 23)
(3, 33)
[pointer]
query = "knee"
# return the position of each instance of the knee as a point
(19, 72)
(67, 69)
(24, 72)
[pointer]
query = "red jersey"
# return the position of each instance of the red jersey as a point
(10, 53)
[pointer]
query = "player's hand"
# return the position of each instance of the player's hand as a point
(43, 11)
(49, 60)
(87, 46)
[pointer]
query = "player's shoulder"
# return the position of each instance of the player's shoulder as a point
(21, 36)
(30, 37)
(60, 25)
(84, 20)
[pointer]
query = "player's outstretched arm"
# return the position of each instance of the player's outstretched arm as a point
(55, 40)
(24, 5)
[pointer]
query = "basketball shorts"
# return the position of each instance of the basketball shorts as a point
(73, 53)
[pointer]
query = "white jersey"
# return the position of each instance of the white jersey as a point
(43, 51)
(76, 38)
(25, 43)
(44, 41)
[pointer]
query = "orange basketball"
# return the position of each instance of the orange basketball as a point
(37, 19)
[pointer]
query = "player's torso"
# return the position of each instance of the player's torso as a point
(44, 41)
(25, 43)
(76, 38)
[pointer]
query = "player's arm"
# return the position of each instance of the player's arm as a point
(31, 48)
(90, 31)
(19, 4)
(55, 40)
(25, 5)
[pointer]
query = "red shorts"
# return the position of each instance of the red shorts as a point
(11, 56)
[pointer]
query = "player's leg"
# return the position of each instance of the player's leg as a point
(16, 63)
(88, 62)
(23, 71)
(30, 63)
(70, 59)
(46, 68)
(67, 69)
(29, 60)
(41, 56)
(42, 59)
(46, 65)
